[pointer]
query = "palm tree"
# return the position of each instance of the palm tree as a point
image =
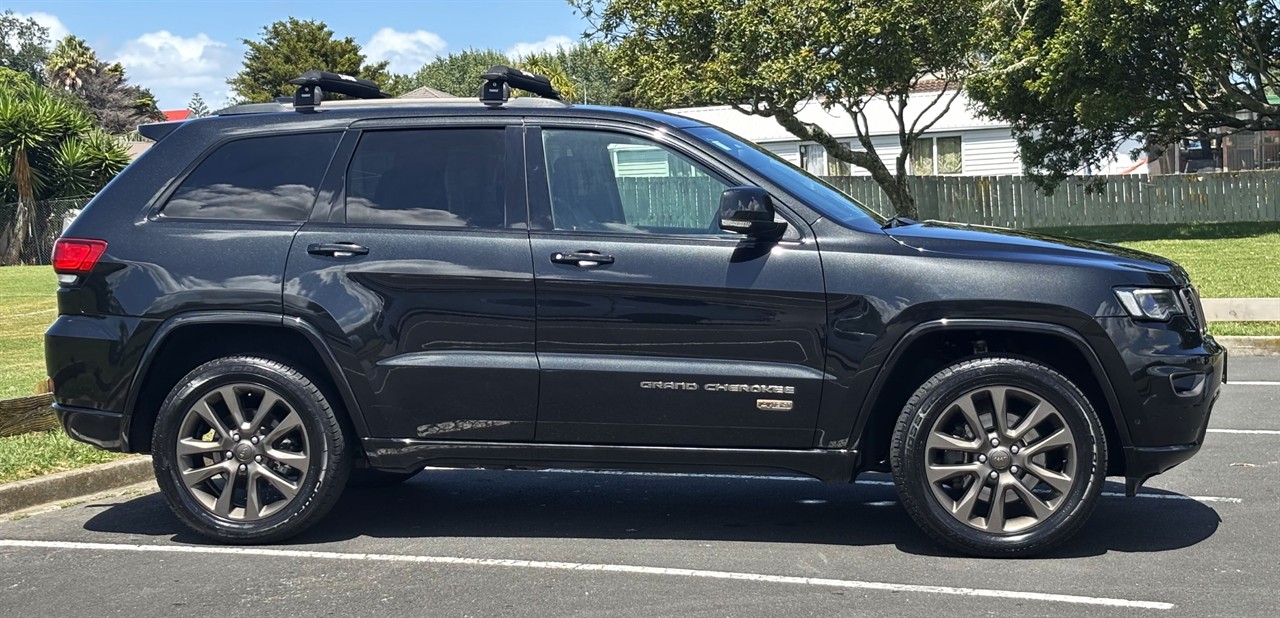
(48, 149)
(70, 60)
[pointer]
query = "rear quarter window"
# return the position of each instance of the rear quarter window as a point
(273, 178)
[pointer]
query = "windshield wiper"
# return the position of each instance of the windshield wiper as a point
(898, 222)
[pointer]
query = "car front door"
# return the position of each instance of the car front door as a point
(654, 326)
(417, 270)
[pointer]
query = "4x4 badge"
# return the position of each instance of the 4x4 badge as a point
(774, 405)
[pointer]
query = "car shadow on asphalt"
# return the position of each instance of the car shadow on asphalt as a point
(527, 504)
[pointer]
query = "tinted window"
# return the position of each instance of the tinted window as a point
(821, 196)
(261, 178)
(618, 183)
(437, 177)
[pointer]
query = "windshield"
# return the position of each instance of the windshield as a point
(823, 197)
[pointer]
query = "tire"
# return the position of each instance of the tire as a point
(371, 478)
(1049, 461)
(292, 453)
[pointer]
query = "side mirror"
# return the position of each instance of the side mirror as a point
(749, 211)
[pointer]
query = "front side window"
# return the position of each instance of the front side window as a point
(429, 177)
(617, 183)
(271, 178)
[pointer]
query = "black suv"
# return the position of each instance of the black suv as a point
(283, 300)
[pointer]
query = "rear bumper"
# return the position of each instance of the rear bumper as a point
(100, 428)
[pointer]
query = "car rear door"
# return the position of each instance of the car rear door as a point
(416, 267)
(654, 326)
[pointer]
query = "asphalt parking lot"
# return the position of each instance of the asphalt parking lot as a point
(1202, 540)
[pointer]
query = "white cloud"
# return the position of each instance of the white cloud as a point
(174, 67)
(57, 29)
(520, 50)
(407, 51)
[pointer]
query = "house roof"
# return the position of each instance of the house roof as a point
(880, 119)
(426, 92)
(176, 114)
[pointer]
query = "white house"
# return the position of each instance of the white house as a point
(960, 143)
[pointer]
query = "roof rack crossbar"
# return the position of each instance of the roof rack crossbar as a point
(500, 79)
(313, 84)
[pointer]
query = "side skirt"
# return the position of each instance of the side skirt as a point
(836, 466)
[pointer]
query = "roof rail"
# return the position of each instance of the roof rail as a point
(499, 80)
(313, 84)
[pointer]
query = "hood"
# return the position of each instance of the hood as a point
(1005, 244)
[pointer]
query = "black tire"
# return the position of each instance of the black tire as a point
(315, 430)
(1080, 453)
(372, 478)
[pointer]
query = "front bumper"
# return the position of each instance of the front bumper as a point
(1175, 378)
(97, 427)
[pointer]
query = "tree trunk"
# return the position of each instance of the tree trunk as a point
(22, 214)
(904, 204)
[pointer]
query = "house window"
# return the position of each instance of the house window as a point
(937, 155)
(836, 167)
(813, 159)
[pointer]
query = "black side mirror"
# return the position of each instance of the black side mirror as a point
(749, 211)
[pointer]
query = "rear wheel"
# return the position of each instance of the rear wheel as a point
(999, 457)
(248, 450)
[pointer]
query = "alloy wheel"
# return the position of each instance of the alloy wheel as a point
(242, 451)
(1000, 459)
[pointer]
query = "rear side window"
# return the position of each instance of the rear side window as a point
(429, 177)
(260, 178)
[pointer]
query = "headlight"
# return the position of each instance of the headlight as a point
(1150, 303)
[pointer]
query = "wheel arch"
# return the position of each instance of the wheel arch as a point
(947, 341)
(232, 332)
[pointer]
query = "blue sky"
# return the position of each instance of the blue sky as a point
(176, 48)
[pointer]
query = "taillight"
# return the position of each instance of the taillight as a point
(76, 256)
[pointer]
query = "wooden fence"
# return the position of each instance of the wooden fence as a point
(1011, 201)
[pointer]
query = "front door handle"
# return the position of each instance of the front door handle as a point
(337, 249)
(582, 259)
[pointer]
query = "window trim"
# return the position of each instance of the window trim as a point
(539, 194)
(155, 211)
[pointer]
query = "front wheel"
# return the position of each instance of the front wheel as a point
(999, 457)
(248, 450)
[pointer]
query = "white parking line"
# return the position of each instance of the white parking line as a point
(610, 568)
(1264, 432)
(1254, 383)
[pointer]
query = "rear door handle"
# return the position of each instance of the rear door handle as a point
(582, 259)
(337, 249)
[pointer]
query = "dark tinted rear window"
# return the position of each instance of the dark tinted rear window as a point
(261, 178)
(433, 177)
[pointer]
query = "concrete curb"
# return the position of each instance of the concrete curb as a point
(74, 483)
(1251, 346)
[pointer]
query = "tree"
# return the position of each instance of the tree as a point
(771, 57)
(24, 45)
(197, 106)
(550, 65)
(292, 47)
(1076, 79)
(456, 73)
(585, 67)
(48, 149)
(70, 61)
(117, 106)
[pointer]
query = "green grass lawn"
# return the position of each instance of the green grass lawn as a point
(1225, 260)
(33, 454)
(27, 308)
